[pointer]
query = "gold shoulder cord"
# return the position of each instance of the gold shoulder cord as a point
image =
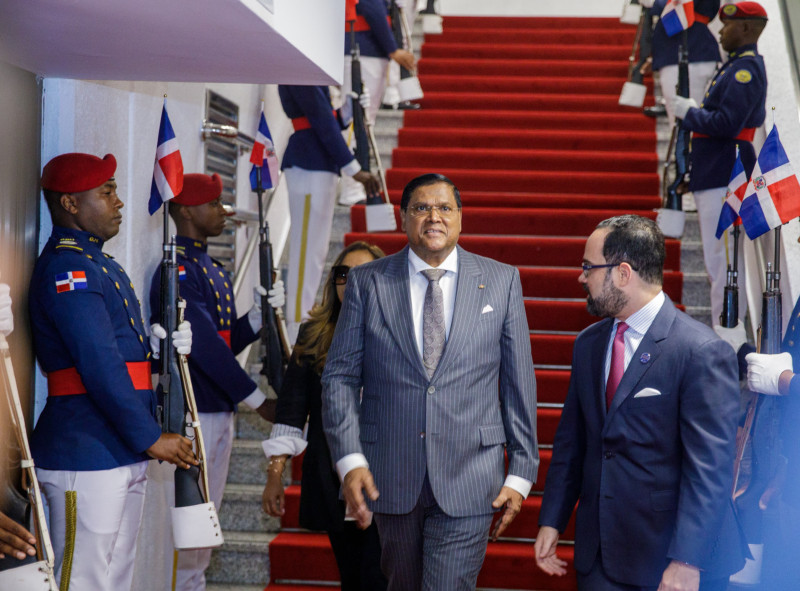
(71, 514)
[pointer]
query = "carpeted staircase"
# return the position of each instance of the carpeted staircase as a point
(521, 113)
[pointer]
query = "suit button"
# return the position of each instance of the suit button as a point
(609, 454)
(422, 434)
(431, 390)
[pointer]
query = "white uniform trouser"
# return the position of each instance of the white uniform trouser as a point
(391, 96)
(218, 430)
(373, 75)
(312, 196)
(109, 511)
(718, 253)
(700, 74)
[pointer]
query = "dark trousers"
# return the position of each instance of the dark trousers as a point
(597, 580)
(429, 550)
(358, 556)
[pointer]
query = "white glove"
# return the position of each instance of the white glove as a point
(764, 371)
(254, 315)
(682, 105)
(6, 316)
(646, 3)
(277, 295)
(735, 337)
(181, 338)
(363, 99)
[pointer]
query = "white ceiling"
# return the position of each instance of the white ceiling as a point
(165, 40)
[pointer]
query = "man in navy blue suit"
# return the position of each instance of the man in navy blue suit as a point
(647, 435)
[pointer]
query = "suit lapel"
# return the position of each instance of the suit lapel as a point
(394, 298)
(649, 345)
(467, 307)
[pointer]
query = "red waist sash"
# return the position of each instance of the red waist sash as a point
(66, 382)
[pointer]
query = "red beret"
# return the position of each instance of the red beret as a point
(75, 173)
(742, 10)
(199, 189)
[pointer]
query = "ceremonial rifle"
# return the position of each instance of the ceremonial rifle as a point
(730, 302)
(762, 420)
(32, 573)
(673, 198)
(194, 518)
(365, 143)
(275, 346)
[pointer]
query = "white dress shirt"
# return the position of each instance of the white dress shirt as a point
(418, 285)
(639, 323)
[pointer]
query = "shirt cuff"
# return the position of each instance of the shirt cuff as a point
(255, 399)
(350, 462)
(351, 168)
(520, 485)
(284, 440)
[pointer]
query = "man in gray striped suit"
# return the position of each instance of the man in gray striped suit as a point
(438, 340)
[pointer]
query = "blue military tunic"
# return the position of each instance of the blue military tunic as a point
(218, 380)
(734, 102)
(321, 146)
(703, 46)
(378, 40)
(86, 319)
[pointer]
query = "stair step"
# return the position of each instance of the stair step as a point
(242, 560)
(516, 250)
(508, 565)
(549, 200)
(434, 48)
(241, 510)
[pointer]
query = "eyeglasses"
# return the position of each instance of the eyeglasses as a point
(588, 267)
(339, 274)
(422, 210)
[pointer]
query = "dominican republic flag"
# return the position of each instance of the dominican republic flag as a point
(181, 273)
(263, 150)
(168, 169)
(737, 187)
(678, 15)
(773, 195)
(70, 281)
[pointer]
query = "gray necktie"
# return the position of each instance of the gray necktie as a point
(433, 329)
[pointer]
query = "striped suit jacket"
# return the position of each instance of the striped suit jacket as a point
(480, 400)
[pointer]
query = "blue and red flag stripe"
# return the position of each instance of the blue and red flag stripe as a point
(678, 15)
(70, 281)
(773, 194)
(168, 167)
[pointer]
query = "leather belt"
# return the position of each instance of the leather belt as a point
(67, 382)
(301, 123)
(362, 25)
(226, 336)
(746, 135)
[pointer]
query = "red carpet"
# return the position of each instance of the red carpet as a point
(521, 113)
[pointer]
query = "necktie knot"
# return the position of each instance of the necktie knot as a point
(621, 328)
(433, 274)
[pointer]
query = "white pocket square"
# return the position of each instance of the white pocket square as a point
(486, 309)
(647, 392)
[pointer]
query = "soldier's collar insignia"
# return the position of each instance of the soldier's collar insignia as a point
(748, 53)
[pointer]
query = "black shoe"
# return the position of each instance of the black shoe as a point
(408, 106)
(655, 111)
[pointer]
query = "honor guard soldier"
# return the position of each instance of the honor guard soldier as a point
(98, 427)
(727, 118)
(218, 380)
(777, 375)
(703, 53)
(315, 157)
(15, 540)
(377, 46)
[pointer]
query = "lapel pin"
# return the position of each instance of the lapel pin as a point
(481, 286)
(644, 358)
